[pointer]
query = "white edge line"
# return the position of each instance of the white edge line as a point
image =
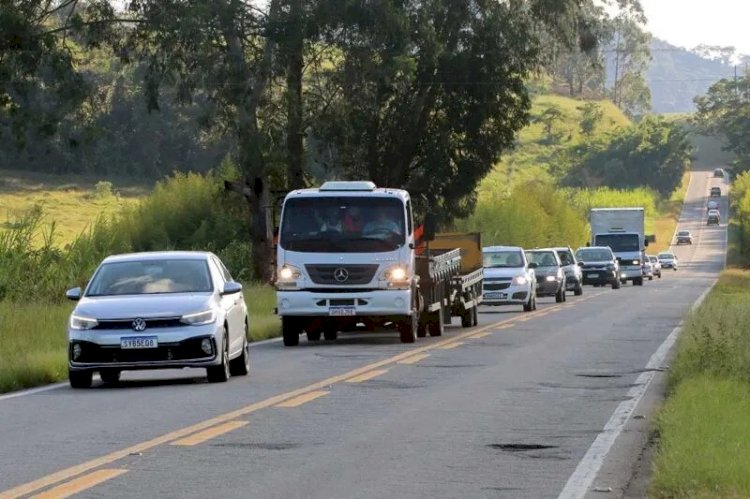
(55, 386)
(32, 391)
(580, 481)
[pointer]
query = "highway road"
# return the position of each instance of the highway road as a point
(508, 409)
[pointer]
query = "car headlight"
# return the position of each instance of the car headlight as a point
(199, 318)
(611, 266)
(81, 323)
(551, 278)
(520, 280)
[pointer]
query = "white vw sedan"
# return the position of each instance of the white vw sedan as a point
(158, 310)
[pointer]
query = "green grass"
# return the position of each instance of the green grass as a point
(70, 201)
(33, 340)
(704, 450)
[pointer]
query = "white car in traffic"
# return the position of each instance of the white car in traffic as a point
(508, 277)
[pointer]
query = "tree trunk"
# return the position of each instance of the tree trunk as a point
(295, 63)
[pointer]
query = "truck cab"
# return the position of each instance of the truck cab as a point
(623, 230)
(348, 254)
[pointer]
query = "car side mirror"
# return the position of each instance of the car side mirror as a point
(231, 288)
(73, 294)
(533, 265)
(430, 227)
(580, 264)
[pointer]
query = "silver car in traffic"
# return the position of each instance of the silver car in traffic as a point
(158, 310)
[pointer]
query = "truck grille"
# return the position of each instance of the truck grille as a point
(341, 275)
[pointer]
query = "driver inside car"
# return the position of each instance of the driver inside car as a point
(382, 224)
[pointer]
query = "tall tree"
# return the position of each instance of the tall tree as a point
(725, 110)
(630, 59)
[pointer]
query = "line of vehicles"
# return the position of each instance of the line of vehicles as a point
(349, 256)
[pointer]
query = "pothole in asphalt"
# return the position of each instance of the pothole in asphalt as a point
(599, 375)
(261, 445)
(520, 447)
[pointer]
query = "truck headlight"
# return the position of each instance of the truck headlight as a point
(636, 262)
(199, 318)
(520, 280)
(396, 274)
(287, 277)
(81, 323)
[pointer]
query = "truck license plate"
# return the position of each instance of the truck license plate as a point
(342, 311)
(136, 342)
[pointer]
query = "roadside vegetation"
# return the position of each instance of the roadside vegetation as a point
(704, 426)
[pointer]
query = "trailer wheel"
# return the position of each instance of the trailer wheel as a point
(435, 324)
(424, 324)
(407, 328)
(466, 318)
(290, 330)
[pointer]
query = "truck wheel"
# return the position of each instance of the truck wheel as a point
(466, 318)
(435, 324)
(407, 328)
(579, 290)
(313, 334)
(638, 281)
(290, 330)
(330, 331)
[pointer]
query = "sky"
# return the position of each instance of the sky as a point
(687, 23)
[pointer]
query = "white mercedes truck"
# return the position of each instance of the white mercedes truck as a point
(623, 230)
(348, 255)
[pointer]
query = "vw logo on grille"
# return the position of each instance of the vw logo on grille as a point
(139, 324)
(341, 274)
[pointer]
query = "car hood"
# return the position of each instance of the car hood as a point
(145, 306)
(590, 264)
(490, 273)
(545, 271)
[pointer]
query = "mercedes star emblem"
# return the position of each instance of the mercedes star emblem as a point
(139, 324)
(341, 274)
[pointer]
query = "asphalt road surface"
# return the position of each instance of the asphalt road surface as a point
(507, 409)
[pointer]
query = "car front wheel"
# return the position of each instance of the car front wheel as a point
(220, 373)
(80, 379)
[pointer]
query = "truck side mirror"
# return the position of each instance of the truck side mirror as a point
(429, 227)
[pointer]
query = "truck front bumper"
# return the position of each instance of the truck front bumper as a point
(630, 272)
(366, 303)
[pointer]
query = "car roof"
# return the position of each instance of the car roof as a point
(490, 249)
(594, 248)
(158, 255)
(666, 253)
(715, 188)
(541, 250)
(683, 231)
(561, 248)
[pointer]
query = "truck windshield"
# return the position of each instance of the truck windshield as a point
(343, 224)
(502, 259)
(619, 242)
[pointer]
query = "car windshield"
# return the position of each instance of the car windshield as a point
(147, 277)
(653, 259)
(668, 256)
(619, 242)
(502, 259)
(566, 257)
(683, 233)
(542, 258)
(343, 224)
(593, 255)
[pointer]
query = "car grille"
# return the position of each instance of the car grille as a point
(496, 286)
(150, 323)
(91, 353)
(355, 274)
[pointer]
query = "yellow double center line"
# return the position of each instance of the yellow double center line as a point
(227, 420)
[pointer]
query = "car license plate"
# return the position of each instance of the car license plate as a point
(342, 311)
(593, 276)
(495, 296)
(136, 342)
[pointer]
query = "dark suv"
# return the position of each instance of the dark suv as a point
(715, 192)
(550, 276)
(599, 266)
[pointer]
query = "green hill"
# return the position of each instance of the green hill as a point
(535, 148)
